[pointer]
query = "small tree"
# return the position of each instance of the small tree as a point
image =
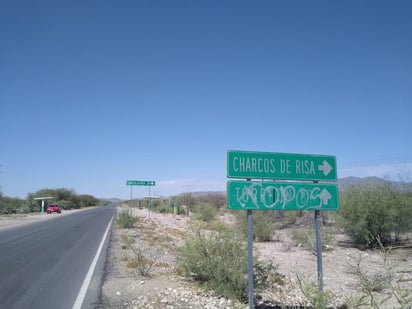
(371, 214)
(12, 205)
(206, 212)
(32, 204)
(403, 214)
(188, 200)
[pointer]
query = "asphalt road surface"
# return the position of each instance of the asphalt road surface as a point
(47, 264)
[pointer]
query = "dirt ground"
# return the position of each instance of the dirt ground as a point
(159, 235)
(124, 287)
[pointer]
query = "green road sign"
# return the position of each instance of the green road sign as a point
(286, 166)
(258, 195)
(140, 183)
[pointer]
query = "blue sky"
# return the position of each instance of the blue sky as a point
(94, 93)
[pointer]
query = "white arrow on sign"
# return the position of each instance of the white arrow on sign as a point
(325, 196)
(325, 167)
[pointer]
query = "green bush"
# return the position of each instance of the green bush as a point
(12, 205)
(218, 259)
(263, 225)
(66, 204)
(310, 289)
(403, 214)
(290, 218)
(126, 220)
(161, 206)
(206, 212)
(373, 214)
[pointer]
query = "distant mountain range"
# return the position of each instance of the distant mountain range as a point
(372, 181)
(356, 181)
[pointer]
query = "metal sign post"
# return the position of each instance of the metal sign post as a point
(150, 204)
(250, 257)
(131, 195)
(319, 251)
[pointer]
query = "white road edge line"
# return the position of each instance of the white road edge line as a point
(82, 293)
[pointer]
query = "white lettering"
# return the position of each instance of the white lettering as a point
(235, 167)
(305, 167)
(285, 166)
(260, 168)
(272, 166)
(242, 164)
(254, 165)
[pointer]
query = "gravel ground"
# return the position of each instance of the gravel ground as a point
(124, 287)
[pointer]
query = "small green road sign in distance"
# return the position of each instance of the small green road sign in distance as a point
(283, 166)
(258, 195)
(140, 183)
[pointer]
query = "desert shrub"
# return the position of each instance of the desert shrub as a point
(205, 212)
(218, 259)
(160, 206)
(142, 259)
(25, 208)
(65, 204)
(301, 237)
(186, 202)
(372, 214)
(290, 218)
(310, 290)
(12, 205)
(389, 279)
(217, 225)
(403, 214)
(263, 225)
(126, 220)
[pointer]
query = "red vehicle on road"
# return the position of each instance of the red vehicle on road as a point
(54, 208)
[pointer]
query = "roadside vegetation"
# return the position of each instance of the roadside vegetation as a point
(68, 199)
(218, 260)
(376, 215)
(377, 218)
(126, 220)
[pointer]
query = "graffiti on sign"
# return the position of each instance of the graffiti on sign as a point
(282, 196)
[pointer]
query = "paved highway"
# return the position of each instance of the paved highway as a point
(45, 264)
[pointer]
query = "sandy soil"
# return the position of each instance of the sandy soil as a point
(126, 288)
